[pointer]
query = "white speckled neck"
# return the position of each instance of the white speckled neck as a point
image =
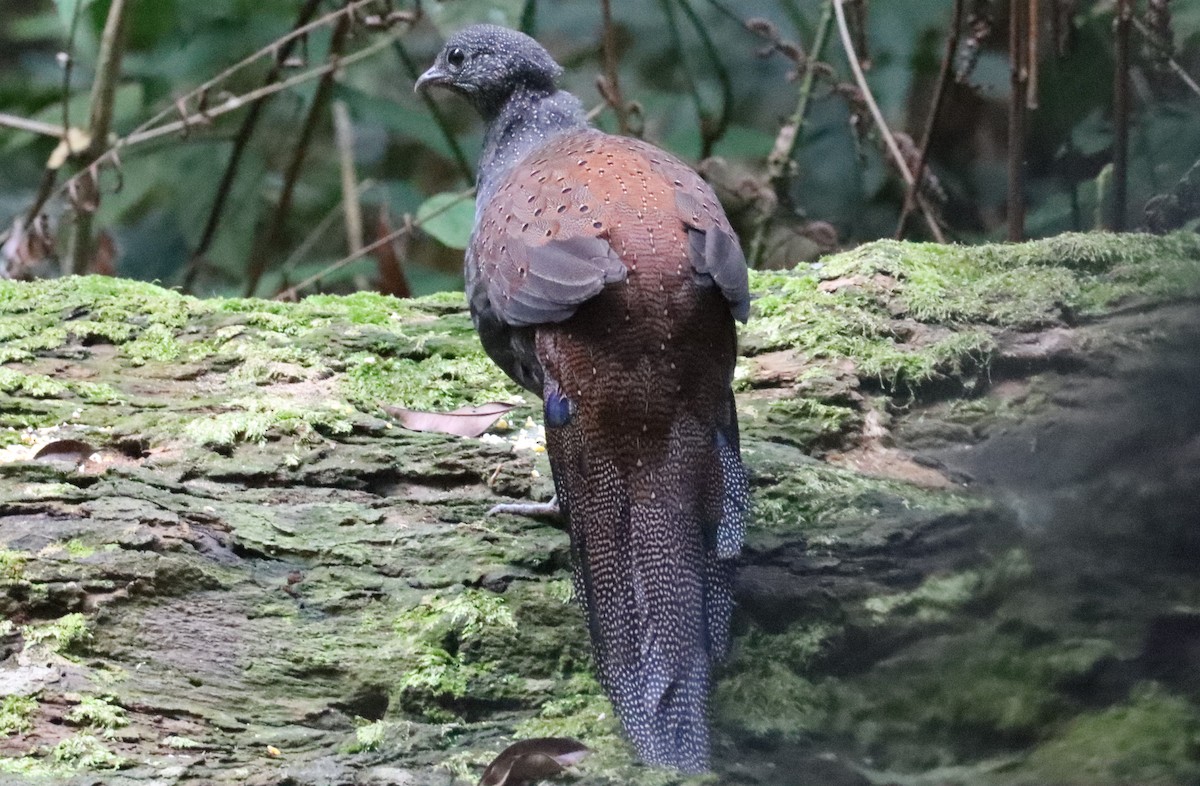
(527, 119)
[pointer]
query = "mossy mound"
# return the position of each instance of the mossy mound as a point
(244, 572)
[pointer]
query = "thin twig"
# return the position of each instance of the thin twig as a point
(789, 135)
(343, 136)
(32, 126)
(1031, 85)
(944, 77)
(320, 100)
(1162, 46)
(321, 228)
(1017, 107)
(611, 90)
(292, 291)
(239, 102)
(240, 142)
(1120, 180)
(68, 65)
(884, 131)
(207, 88)
(435, 111)
(100, 112)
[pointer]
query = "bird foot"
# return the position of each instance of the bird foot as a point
(536, 510)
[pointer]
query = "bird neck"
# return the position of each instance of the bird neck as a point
(526, 120)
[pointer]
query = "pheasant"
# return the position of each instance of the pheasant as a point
(603, 276)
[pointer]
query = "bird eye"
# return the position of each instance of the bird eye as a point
(456, 57)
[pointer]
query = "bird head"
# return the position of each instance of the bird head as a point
(486, 63)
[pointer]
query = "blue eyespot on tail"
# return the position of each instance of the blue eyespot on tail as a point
(558, 408)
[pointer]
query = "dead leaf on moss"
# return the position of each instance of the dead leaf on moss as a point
(532, 760)
(462, 422)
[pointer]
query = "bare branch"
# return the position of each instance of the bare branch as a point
(343, 135)
(789, 135)
(1120, 184)
(33, 126)
(610, 84)
(274, 227)
(104, 91)
(935, 108)
(1164, 47)
(890, 141)
(245, 131)
(291, 292)
(1018, 53)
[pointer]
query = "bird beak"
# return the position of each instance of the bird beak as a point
(434, 76)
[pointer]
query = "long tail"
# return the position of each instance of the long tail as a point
(654, 520)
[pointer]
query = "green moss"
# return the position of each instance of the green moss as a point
(1153, 739)
(939, 598)
(435, 636)
(69, 633)
(908, 313)
(85, 752)
(42, 315)
(12, 564)
(251, 419)
(951, 699)
(17, 383)
(435, 382)
(829, 503)
(177, 742)
(78, 753)
(156, 342)
(369, 735)
(810, 424)
(77, 549)
(98, 712)
(770, 701)
(15, 712)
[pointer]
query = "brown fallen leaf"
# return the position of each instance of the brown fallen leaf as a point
(527, 761)
(67, 451)
(462, 422)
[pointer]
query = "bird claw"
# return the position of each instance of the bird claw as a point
(529, 509)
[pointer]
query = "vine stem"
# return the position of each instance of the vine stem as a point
(789, 136)
(274, 228)
(1120, 182)
(612, 91)
(934, 110)
(888, 139)
(100, 113)
(293, 291)
(240, 142)
(1018, 52)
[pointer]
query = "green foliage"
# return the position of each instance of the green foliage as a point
(434, 634)
(688, 72)
(252, 419)
(84, 752)
(369, 735)
(67, 634)
(14, 714)
(98, 712)
(449, 218)
(12, 564)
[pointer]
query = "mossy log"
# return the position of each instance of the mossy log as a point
(971, 557)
